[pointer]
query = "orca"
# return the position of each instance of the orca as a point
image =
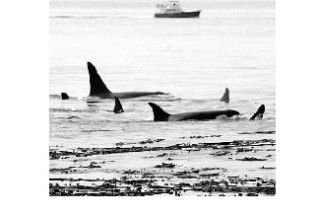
(160, 115)
(117, 106)
(64, 96)
(226, 96)
(259, 113)
(100, 90)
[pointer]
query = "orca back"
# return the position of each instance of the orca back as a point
(117, 106)
(158, 113)
(226, 96)
(259, 113)
(97, 85)
(64, 96)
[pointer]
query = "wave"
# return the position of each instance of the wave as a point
(77, 17)
(55, 96)
(58, 97)
(70, 110)
(98, 130)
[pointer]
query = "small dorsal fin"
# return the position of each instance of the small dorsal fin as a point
(259, 113)
(226, 96)
(117, 106)
(64, 96)
(97, 85)
(158, 113)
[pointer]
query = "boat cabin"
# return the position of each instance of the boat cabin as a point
(170, 6)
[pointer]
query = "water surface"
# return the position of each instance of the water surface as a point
(230, 45)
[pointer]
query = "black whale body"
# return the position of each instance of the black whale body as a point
(100, 90)
(161, 115)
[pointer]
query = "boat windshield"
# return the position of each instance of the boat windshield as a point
(170, 6)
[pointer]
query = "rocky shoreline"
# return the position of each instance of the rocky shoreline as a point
(84, 152)
(168, 171)
(148, 186)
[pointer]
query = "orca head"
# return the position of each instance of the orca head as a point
(158, 113)
(231, 113)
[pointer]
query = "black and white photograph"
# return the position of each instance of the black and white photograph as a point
(162, 98)
(159, 106)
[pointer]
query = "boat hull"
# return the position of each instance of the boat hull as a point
(193, 14)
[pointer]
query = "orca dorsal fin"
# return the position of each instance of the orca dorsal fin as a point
(158, 113)
(97, 85)
(226, 96)
(259, 113)
(117, 106)
(64, 96)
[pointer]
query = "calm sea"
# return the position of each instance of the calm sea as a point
(231, 45)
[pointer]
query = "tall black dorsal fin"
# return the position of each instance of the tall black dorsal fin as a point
(97, 86)
(226, 96)
(64, 96)
(259, 113)
(158, 113)
(117, 106)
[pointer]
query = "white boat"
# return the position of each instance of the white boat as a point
(172, 9)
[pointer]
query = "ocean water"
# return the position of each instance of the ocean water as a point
(231, 45)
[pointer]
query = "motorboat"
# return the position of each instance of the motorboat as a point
(172, 9)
